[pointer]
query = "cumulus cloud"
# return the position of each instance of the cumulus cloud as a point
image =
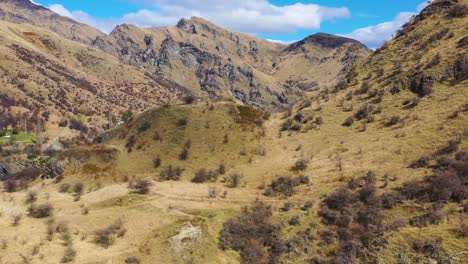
(249, 16)
(374, 36)
(83, 17)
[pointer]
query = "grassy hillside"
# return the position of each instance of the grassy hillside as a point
(373, 170)
(48, 79)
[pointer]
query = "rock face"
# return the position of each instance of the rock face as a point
(215, 63)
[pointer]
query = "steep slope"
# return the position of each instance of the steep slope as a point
(24, 11)
(318, 61)
(217, 63)
(42, 72)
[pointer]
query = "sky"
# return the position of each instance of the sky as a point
(287, 21)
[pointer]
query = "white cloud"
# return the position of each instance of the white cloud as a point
(36, 3)
(249, 16)
(83, 17)
(284, 42)
(374, 36)
(422, 5)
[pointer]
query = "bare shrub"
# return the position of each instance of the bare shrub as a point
(285, 185)
(233, 180)
(140, 186)
(16, 218)
(204, 175)
(106, 237)
(78, 189)
(132, 260)
(458, 10)
(300, 165)
(182, 122)
(349, 121)
(170, 173)
(40, 211)
(64, 187)
(68, 255)
(157, 162)
(254, 235)
(422, 162)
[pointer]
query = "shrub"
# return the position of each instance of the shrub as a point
(285, 185)
(64, 187)
(458, 10)
(157, 162)
(184, 154)
(367, 194)
(140, 186)
(364, 111)
(31, 198)
(131, 141)
(171, 173)
(189, 99)
(254, 235)
(349, 121)
(300, 165)
(63, 123)
(428, 246)
(390, 199)
(295, 220)
(16, 218)
(340, 199)
(393, 120)
(449, 148)
(132, 260)
(10, 186)
(77, 124)
(233, 180)
(222, 169)
(204, 175)
(106, 237)
(411, 103)
(182, 122)
(41, 211)
(422, 162)
(78, 189)
(144, 126)
(69, 255)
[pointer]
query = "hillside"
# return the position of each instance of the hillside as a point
(49, 78)
(26, 12)
(216, 63)
(371, 170)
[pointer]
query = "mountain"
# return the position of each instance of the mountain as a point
(24, 11)
(48, 79)
(318, 61)
(217, 63)
(195, 58)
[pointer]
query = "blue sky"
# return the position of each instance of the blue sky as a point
(371, 22)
